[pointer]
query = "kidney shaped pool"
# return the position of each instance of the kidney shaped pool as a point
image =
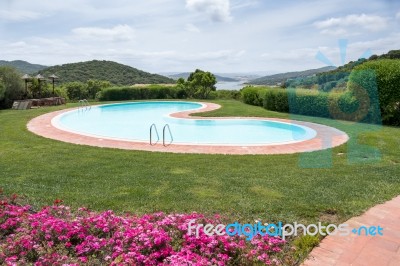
(132, 122)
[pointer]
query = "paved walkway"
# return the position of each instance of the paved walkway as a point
(364, 250)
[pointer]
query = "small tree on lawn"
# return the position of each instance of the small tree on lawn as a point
(200, 84)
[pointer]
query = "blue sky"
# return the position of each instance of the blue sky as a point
(182, 35)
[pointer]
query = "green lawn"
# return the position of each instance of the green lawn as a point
(270, 187)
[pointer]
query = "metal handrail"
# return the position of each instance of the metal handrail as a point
(84, 104)
(170, 133)
(88, 104)
(151, 135)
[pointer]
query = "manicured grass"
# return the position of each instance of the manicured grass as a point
(267, 187)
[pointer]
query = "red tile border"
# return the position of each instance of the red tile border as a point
(363, 250)
(327, 137)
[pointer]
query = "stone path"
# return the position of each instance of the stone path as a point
(379, 250)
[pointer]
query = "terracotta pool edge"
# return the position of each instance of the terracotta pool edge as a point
(327, 137)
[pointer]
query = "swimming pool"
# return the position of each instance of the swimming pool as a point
(132, 122)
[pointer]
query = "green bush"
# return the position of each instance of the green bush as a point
(308, 102)
(377, 83)
(253, 95)
(141, 93)
(276, 100)
(157, 92)
(11, 87)
(76, 90)
(373, 96)
(61, 92)
(95, 86)
(336, 105)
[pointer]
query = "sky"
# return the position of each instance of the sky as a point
(223, 36)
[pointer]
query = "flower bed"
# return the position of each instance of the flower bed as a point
(57, 236)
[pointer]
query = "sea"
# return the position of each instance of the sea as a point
(237, 85)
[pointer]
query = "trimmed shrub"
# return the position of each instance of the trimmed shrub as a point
(343, 106)
(157, 92)
(373, 96)
(253, 95)
(377, 83)
(141, 93)
(276, 100)
(309, 102)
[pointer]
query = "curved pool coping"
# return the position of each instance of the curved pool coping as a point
(327, 137)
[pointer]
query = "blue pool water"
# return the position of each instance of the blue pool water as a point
(132, 121)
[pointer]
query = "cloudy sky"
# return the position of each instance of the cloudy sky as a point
(181, 35)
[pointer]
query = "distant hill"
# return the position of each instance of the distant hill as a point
(337, 78)
(23, 66)
(113, 72)
(219, 78)
(279, 78)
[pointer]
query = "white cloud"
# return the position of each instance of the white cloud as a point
(245, 4)
(292, 55)
(217, 10)
(167, 35)
(337, 32)
(117, 33)
(19, 15)
(340, 25)
(192, 28)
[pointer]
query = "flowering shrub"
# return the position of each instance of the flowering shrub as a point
(57, 236)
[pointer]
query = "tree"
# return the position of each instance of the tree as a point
(373, 57)
(394, 54)
(34, 88)
(13, 87)
(200, 84)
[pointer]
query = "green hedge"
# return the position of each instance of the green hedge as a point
(253, 95)
(377, 84)
(372, 96)
(276, 100)
(141, 93)
(308, 102)
(343, 106)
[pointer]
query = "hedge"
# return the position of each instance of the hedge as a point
(377, 83)
(343, 106)
(372, 96)
(141, 93)
(253, 95)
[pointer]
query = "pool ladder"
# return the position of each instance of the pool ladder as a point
(84, 104)
(165, 128)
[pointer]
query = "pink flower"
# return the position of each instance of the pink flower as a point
(106, 238)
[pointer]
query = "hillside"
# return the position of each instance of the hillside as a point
(113, 72)
(23, 66)
(280, 78)
(219, 78)
(338, 77)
